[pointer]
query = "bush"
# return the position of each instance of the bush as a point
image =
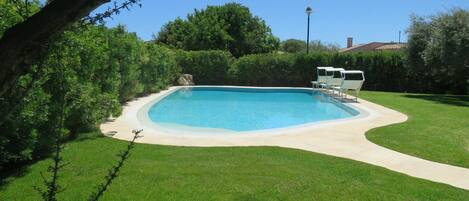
(383, 70)
(207, 67)
(125, 52)
(438, 52)
(96, 69)
(159, 68)
(262, 70)
(230, 27)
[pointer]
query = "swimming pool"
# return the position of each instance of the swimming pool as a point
(245, 109)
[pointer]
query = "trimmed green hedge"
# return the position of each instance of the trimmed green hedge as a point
(207, 67)
(384, 71)
(159, 68)
(99, 69)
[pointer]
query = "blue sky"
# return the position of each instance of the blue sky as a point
(332, 20)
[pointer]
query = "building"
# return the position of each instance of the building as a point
(373, 46)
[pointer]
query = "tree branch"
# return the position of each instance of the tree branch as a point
(24, 43)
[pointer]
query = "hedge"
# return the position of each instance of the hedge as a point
(98, 69)
(207, 67)
(383, 70)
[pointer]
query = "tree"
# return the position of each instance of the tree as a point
(125, 52)
(299, 46)
(24, 43)
(438, 49)
(319, 46)
(159, 68)
(293, 46)
(29, 109)
(229, 27)
(418, 74)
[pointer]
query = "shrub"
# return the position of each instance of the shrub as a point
(97, 69)
(230, 27)
(159, 68)
(262, 70)
(383, 70)
(438, 52)
(207, 67)
(125, 52)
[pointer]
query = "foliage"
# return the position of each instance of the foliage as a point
(102, 68)
(319, 46)
(207, 67)
(299, 46)
(125, 54)
(293, 46)
(382, 69)
(115, 10)
(230, 27)
(159, 68)
(438, 49)
(52, 187)
(263, 70)
(13, 12)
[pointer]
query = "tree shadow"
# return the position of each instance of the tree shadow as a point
(10, 173)
(87, 137)
(456, 100)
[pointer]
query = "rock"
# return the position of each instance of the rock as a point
(185, 80)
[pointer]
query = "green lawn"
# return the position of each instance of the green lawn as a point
(265, 173)
(253, 173)
(437, 129)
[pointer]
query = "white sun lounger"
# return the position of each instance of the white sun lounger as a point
(352, 81)
(321, 79)
(333, 78)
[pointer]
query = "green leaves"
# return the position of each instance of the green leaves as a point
(207, 67)
(230, 27)
(159, 68)
(97, 69)
(438, 49)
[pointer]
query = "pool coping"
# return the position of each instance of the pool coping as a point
(189, 131)
(344, 139)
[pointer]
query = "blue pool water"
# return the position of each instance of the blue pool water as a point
(246, 109)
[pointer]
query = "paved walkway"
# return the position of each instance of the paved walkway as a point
(342, 138)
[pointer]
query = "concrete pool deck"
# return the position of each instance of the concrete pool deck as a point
(342, 138)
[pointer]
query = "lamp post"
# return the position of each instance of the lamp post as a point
(308, 12)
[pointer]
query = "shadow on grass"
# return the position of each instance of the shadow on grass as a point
(14, 171)
(87, 136)
(10, 173)
(455, 100)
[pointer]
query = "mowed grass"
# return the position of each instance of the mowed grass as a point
(437, 128)
(245, 173)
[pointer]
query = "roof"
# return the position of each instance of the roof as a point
(324, 67)
(391, 46)
(335, 69)
(352, 71)
(374, 46)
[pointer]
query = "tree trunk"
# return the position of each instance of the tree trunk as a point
(24, 43)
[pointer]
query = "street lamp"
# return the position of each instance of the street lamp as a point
(308, 11)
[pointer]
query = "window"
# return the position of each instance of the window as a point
(322, 72)
(337, 74)
(353, 76)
